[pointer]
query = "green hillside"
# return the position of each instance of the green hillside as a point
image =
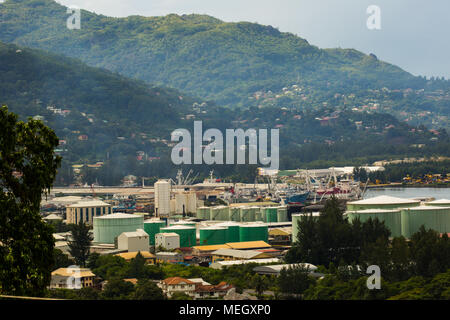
(101, 116)
(197, 54)
(117, 114)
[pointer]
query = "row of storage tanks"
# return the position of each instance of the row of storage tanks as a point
(211, 235)
(243, 214)
(107, 228)
(403, 217)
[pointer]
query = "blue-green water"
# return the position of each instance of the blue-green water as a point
(437, 193)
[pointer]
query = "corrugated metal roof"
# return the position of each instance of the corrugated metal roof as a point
(243, 254)
(212, 247)
(75, 272)
(221, 264)
(248, 245)
(92, 203)
(132, 255)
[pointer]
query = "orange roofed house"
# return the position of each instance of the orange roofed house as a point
(196, 288)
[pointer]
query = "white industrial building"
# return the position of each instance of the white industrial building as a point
(134, 241)
(168, 241)
(184, 202)
(162, 198)
(85, 211)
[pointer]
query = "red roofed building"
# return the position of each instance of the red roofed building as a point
(212, 291)
(176, 284)
(196, 288)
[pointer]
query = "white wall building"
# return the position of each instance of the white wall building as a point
(162, 198)
(85, 211)
(134, 241)
(168, 241)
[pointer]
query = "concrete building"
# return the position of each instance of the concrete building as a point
(168, 241)
(184, 202)
(168, 257)
(72, 278)
(85, 211)
(276, 269)
(133, 241)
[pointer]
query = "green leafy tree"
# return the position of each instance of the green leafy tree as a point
(148, 290)
(430, 253)
(294, 280)
(180, 296)
(118, 289)
(28, 167)
(137, 268)
(260, 283)
(62, 260)
(80, 243)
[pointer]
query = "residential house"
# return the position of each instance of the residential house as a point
(72, 278)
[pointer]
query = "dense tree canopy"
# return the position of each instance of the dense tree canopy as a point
(28, 167)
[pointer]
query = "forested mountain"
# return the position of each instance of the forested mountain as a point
(113, 112)
(197, 54)
(102, 116)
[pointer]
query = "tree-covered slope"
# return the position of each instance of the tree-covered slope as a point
(76, 100)
(200, 55)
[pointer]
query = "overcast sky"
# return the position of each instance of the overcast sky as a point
(414, 33)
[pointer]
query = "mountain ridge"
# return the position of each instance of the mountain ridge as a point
(197, 54)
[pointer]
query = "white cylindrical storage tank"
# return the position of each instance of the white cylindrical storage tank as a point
(162, 197)
(191, 202)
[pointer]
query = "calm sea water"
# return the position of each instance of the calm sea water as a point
(437, 193)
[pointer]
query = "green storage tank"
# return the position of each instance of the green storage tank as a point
(432, 217)
(232, 234)
(219, 213)
(256, 213)
(108, 227)
(382, 202)
(263, 214)
(282, 215)
(253, 232)
(183, 223)
(213, 235)
(204, 213)
(188, 235)
(234, 214)
(152, 227)
(247, 214)
(439, 203)
(392, 218)
(271, 214)
(296, 218)
(224, 213)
